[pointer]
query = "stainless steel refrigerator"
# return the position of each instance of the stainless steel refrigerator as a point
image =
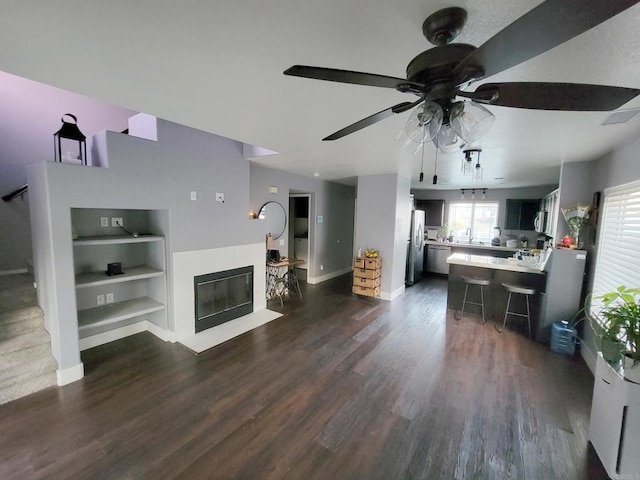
(564, 270)
(415, 253)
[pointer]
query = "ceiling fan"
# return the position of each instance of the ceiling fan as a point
(438, 75)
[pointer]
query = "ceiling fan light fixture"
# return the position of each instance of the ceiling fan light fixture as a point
(470, 120)
(429, 115)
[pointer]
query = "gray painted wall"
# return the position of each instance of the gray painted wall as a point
(142, 174)
(331, 242)
(615, 169)
(15, 240)
(383, 224)
(499, 195)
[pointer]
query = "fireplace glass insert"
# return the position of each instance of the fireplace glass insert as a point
(223, 296)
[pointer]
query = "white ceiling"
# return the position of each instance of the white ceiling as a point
(217, 66)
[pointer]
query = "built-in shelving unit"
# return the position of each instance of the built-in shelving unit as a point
(106, 303)
(116, 312)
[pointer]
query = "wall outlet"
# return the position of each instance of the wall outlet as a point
(194, 195)
(219, 197)
(282, 241)
(104, 221)
(321, 267)
(100, 299)
(109, 297)
(115, 221)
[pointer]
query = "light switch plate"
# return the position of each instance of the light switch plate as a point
(282, 241)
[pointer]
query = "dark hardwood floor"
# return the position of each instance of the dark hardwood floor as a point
(339, 387)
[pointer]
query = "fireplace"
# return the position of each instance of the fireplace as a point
(222, 296)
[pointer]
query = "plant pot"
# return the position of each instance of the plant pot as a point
(631, 369)
(612, 351)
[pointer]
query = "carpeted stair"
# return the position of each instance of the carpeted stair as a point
(26, 364)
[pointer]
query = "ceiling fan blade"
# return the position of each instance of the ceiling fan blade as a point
(558, 96)
(550, 24)
(357, 78)
(370, 120)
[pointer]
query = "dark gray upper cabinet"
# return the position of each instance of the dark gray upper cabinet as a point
(521, 214)
(434, 211)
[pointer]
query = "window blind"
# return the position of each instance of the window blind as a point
(618, 258)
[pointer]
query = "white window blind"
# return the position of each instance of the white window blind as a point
(618, 259)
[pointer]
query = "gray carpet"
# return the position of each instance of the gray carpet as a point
(26, 364)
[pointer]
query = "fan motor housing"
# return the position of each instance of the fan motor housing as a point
(435, 65)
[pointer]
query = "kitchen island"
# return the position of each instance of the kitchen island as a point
(437, 252)
(498, 270)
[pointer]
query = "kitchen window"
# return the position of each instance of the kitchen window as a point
(618, 259)
(472, 220)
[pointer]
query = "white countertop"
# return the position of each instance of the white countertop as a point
(510, 264)
(472, 245)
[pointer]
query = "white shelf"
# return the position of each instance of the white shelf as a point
(95, 279)
(116, 239)
(116, 312)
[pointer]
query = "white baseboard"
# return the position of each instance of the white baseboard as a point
(393, 295)
(13, 272)
(70, 375)
(122, 332)
(162, 334)
(328, 276)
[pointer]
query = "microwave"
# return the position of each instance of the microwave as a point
(540, 222)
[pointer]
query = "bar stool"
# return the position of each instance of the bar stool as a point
(481, 282)
(527, 292)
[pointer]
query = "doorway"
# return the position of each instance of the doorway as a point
(299, 231)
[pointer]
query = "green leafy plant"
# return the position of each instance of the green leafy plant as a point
(618, 318)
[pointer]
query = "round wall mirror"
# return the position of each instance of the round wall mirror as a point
(275, 217)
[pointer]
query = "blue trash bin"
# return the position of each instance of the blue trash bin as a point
(563, 338)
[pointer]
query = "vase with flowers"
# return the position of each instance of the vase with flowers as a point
(576, 218)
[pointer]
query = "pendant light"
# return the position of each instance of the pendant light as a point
(467, 163)
(477, 170)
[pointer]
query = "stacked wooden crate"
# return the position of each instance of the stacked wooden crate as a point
(366, 276)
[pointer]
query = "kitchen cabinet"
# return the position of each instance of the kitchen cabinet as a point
(550, 205)
(521, 214)
(434, 210)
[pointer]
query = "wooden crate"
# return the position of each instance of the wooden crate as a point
(368, 263)
(366, 282)
(364, 273)
(366, 276)
(366, 292)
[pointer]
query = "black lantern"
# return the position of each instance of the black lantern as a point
(72, 138)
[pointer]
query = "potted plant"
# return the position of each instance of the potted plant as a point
(617, 325)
